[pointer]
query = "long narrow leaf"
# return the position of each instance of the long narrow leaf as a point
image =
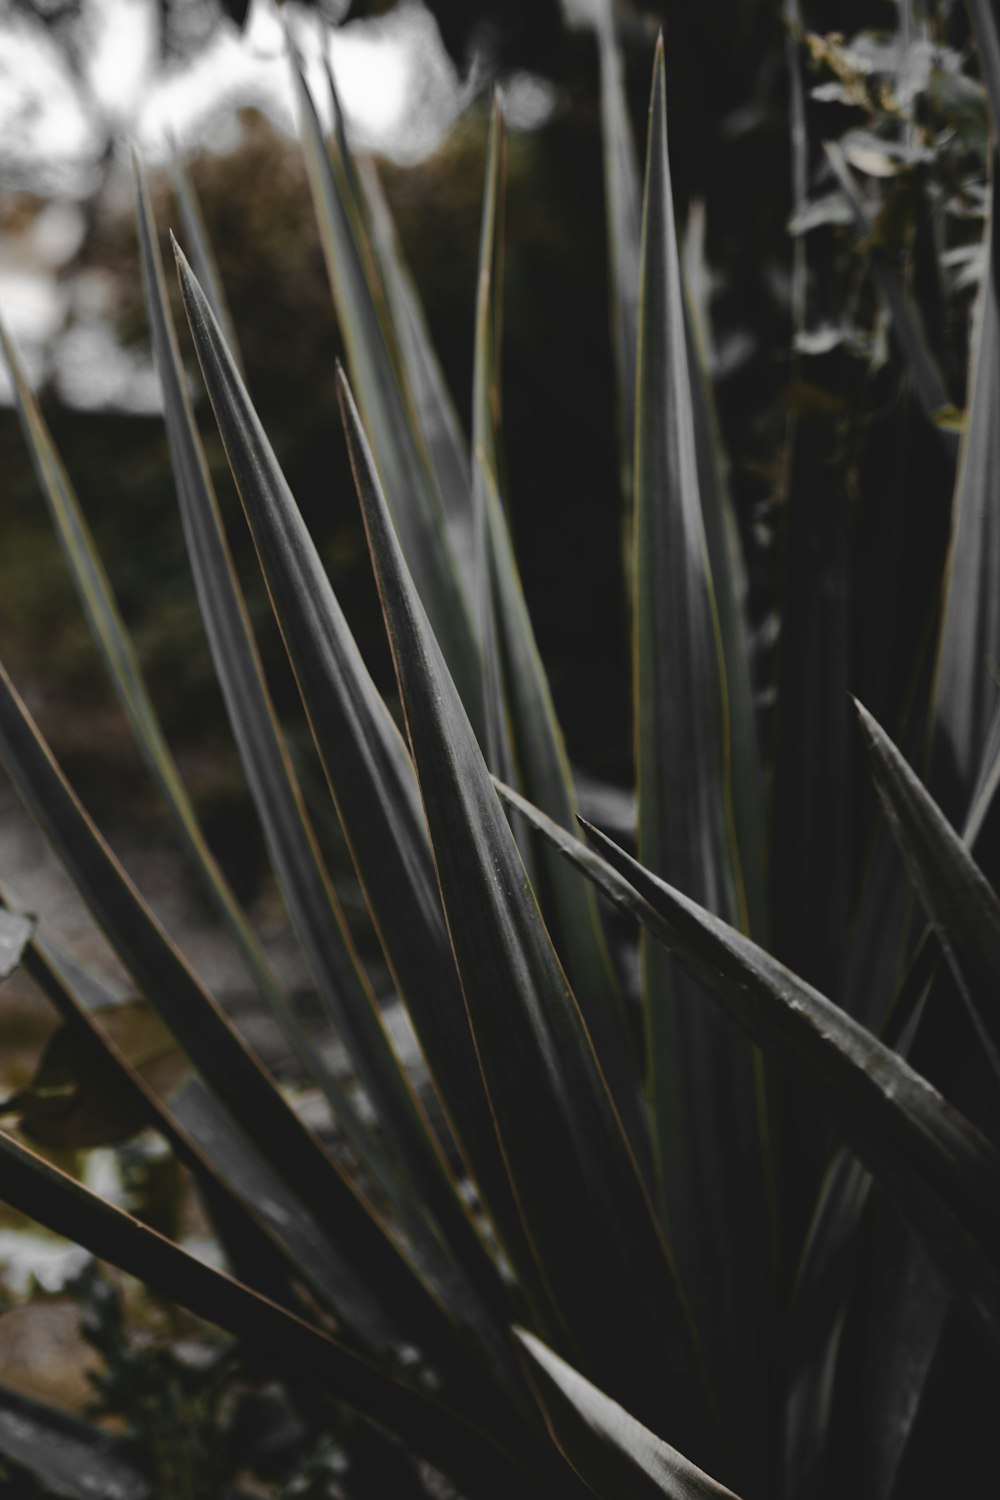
(112, 637)
(957, 896)
(703, 1080)
(196, 235)
(966, 690)
(203, 1031)
(613, 1453)
(984, 20)
(292, 844)
(367, 765)
(938, 1168)
(479, 1466)
(73, 1460)
(226, 1169)
(623, 218)
(403, 464)
(525, 743)
(585, 1211)
(447, 449)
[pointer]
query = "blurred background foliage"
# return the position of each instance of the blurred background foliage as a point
(912, 122)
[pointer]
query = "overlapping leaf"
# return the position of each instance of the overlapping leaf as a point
(524, 741)
(957, 896)
(276, 1247)
(941, 1172)
(369, 771)
(122, 663)
(585, 1212)
(403, 463)
(479, 1466)
(215, 1048)
(291, 842)
(703, 1084)
(613, 1453)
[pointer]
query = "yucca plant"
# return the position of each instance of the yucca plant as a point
(616, 1258)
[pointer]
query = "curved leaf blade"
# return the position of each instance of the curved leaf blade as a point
(958, 898)
(291, 841)
(940, 1171)
(478, 1465)
(368, 768)
(615, 1455)
(225, 1166)
(116, 646)
(704, 1082)
(595, 1239)
(216, 1049)
(444, 440)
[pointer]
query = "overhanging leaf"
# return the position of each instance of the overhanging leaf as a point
(216, 1049)
(480, 1467)
(957, 896)
(269, 1234)
(615, 1455)
(938, 1168)
(524, 740)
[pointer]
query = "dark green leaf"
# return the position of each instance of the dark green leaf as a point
(984, 20)
(585, 1211)
(215, 1048)
(367, 765)
(704, 1081)
(403, 463)
(623, 218)
(270, 1235)
(958, 899)
(291, 841)
(615, 1455)
(120, 658)
(940, 1171)
(478, 1466)
(73, 1460)
(525, 743)
(969, 649)
(446, 445)
(205, 267)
